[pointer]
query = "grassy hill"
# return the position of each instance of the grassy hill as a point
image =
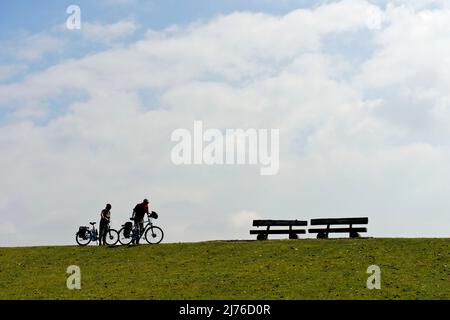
(278, 269)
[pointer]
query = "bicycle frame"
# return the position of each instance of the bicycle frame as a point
(94, 234)
(110, 237)
(147, 224)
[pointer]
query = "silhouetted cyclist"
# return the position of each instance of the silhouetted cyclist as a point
(139, 212)
(105, 218)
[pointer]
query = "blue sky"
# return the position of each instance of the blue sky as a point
(30, 16)
(358, 90)
(24, 17)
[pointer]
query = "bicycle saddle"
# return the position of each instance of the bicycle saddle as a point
(92, 223)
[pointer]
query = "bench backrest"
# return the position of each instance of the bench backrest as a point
(260, 223)
(327, 221)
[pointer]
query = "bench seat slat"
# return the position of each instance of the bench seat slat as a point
(326, 221)
(262, 223)
(337, 230)
(287, 231)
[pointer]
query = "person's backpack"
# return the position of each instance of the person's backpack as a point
(82, 232)
(127, 229)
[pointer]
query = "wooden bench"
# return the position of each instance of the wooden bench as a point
(353, 232)
(293, 233)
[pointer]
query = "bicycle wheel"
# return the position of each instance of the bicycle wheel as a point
(112, 237)
(84, 241)
(123, 239)
(154, 235)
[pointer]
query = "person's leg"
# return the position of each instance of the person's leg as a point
(135, 236)
(105, 229)
(141, 230)
(102, 233)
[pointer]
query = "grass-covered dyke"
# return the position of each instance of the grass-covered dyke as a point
(276, 269)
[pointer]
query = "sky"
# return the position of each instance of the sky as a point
(359, 91)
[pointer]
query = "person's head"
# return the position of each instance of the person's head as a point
(108, 206)
(145, 201)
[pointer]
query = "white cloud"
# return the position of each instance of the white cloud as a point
(36, 46)
(349, 146)
(108, 32)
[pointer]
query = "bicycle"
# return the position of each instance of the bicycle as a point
(84, 236)
(152, 234)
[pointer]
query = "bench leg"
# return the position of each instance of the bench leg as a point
(354, 234)
(261, 237)
(293, 236)
(322, 235)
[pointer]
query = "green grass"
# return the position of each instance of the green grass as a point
(277, 269)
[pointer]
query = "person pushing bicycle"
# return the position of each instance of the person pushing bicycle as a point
(139, 212)
(105, 218)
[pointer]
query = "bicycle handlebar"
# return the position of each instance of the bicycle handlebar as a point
(149, 217)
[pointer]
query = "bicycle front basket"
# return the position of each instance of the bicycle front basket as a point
(154, 215)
